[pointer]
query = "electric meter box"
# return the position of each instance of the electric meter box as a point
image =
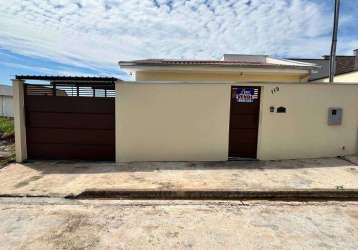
(335, 116)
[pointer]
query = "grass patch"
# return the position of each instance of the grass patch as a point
(6, 126)
(7, 140)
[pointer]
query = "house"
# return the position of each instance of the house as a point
(231, 68)
(6, 105)
(243, 106)
(346, 68)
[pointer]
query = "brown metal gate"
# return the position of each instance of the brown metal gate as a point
(70, 121)
(244, 121)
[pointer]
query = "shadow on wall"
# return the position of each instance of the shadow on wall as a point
(80, 167)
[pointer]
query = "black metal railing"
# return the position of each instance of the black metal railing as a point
(68, 89)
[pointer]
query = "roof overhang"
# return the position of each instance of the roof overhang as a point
(216, 68)
(69, 79)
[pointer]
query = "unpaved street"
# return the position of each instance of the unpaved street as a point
(33, 223)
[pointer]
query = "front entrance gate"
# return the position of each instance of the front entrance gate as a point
(244, 122)
(70, 121)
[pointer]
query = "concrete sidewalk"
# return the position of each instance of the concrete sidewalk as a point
(61, 179)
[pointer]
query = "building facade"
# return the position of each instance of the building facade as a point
(177, 111)
(243, 106)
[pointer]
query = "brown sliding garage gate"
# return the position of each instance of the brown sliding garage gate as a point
(71, 119)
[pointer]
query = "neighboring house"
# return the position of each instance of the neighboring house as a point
(346, 68)
(6, 105)
(350, 77)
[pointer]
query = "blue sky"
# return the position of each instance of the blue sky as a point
(89, 37)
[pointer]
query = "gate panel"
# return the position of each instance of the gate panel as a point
(65, 127)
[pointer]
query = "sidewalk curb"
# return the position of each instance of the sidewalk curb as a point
(153, 194)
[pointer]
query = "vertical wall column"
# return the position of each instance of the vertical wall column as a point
(19, 120)
(116, 113)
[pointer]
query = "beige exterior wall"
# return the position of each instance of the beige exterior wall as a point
(19, 120)
(344, 78)
(184, 122)
(303, 131)
(218, 76)
(172, 122)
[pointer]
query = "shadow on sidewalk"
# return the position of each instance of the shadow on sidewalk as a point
(80, 167)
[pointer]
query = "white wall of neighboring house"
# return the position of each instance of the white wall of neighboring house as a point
(351, 77)
(6, 106)
(6, 101)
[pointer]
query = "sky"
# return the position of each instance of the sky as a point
(89, 37)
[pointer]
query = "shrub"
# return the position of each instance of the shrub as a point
(6, 126)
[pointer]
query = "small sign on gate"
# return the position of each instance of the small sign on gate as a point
(246, 95)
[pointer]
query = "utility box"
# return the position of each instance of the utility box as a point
(335, 116)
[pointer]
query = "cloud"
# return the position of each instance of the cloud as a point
(12, 64)
(95, 34)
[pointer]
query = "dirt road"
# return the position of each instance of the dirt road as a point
(33, 223)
